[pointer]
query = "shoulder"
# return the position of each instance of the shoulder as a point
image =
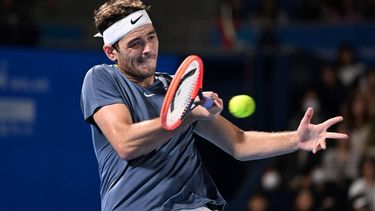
(357, 187)
(100, 69)
(103, 73)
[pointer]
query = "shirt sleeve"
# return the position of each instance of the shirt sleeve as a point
(99, 89)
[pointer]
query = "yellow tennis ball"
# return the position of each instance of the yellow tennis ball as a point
(241, 106)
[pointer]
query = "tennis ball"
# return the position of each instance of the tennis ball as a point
(241, 106)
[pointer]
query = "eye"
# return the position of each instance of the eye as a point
(135, 44)
(152, 37)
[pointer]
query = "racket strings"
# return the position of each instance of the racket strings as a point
(184, 97)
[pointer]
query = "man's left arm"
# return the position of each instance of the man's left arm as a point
(251, 145)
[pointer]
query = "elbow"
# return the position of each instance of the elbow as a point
(237, 151)
(239, 157)
(126, 153)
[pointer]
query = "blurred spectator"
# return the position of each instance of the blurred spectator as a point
(257, 202)
(357, 118)
(331, 91)
(231, 15)
(350, 70)
(304, 200)
(362, 190)
(269, 13)
(339, 161)
(17, 26)
(368, 87)
(328, 196)
(360, 203)
(274, 189)
(309, 99)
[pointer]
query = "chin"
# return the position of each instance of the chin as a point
(147, 72)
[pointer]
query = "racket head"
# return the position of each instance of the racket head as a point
(184, 88)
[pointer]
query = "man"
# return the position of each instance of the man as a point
(141, 165)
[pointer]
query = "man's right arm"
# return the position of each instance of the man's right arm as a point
(131, 140)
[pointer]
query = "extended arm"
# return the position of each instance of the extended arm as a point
(250, 145)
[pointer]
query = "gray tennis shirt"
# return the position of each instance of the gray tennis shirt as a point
(170, 177)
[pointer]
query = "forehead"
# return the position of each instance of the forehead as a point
(139, 32)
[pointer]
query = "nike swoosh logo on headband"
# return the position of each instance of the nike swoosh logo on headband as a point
(136, 20)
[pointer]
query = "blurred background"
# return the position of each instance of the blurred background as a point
(286, 54)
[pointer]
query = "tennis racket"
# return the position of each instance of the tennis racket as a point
(185, 86)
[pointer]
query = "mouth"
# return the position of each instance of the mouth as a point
(144, 61)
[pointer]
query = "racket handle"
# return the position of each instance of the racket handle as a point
(207, 102)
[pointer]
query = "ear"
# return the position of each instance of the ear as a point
(110, 52)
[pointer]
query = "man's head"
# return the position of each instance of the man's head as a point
(129, 37)
(114, 10)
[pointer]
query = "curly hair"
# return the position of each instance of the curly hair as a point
(114, 10)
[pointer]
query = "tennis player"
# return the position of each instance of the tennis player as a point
(143, 166)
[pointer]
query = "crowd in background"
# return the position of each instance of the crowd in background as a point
(233, 14)
(283, 11)
(343, 176)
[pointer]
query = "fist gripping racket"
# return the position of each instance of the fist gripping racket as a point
(184, 88)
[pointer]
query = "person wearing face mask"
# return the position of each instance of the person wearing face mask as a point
(142, 166)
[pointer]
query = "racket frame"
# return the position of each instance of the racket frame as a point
(175, 83)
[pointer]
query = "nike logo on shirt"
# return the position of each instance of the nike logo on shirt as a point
(136, 20)
(148, 95)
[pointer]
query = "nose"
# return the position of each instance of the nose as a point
(148, 49)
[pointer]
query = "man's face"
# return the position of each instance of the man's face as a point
(137, 52)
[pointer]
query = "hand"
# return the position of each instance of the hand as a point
(201, 113)
(313, 137)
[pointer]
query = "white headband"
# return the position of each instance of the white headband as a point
(122, 27)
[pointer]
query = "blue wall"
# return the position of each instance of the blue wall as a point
(46, 153)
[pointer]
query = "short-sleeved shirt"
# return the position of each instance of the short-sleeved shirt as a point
(171, 177)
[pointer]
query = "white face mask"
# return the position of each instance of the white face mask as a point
(271, 180)
(318, 176)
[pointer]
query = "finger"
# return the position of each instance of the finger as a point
(317, 148)
(219, 102)
(211, 95)
(323, 145)
(328, 123)
(215, 109)
(333, 135)
(307, 117)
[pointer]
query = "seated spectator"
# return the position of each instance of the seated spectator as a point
(257, 202)
(364, 187)
(350, 70)
(331, 92)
